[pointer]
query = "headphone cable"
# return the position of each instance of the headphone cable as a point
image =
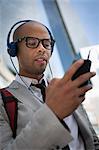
(29, 88)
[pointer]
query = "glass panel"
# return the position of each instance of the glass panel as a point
(13, 11)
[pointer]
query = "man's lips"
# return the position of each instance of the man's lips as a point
(40, 60)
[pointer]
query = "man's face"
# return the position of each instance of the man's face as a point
(33, 61)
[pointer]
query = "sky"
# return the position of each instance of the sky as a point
(88, 12)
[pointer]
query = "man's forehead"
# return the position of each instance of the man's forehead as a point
(32, 24)
(29, 27)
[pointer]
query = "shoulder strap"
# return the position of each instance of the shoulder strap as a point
(11, 107)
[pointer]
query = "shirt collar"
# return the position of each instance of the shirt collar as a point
(26, 81)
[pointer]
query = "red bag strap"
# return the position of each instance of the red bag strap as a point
(11, 107)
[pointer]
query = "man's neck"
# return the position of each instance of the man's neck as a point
(37, 77)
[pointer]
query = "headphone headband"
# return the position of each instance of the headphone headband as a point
(12, 46)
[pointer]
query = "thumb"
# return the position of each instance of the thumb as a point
(74, 67)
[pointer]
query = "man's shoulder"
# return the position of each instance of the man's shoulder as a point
(14, 85)
(14, 82)
(11, 85)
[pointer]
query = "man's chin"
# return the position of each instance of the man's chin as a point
(40, 72)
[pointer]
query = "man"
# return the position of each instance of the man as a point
(60, 122)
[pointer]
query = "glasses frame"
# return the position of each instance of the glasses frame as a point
(39, 40)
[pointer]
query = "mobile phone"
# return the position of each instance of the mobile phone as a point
(83, 69)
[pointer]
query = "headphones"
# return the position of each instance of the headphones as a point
(12, 46)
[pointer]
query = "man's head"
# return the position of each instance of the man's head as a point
(34, 47)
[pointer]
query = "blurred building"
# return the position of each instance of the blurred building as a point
(74, 25)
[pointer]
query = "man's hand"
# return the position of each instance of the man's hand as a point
(63, 95)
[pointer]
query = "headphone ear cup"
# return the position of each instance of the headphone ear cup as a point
(51, 51)
(12, 49)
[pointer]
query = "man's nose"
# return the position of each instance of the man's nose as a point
(41, 48)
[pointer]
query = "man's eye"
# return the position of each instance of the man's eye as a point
(31, 42)
(47, 44)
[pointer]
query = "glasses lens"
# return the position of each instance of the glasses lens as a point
(32, 42)
(47, 43)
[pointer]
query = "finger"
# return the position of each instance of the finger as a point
(83, 78)
(84, 89)
(68, 75)
(82, 98)
(54, 81)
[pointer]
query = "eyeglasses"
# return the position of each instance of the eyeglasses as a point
(32, 42)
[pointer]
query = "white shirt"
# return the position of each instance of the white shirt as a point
(77, 143)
